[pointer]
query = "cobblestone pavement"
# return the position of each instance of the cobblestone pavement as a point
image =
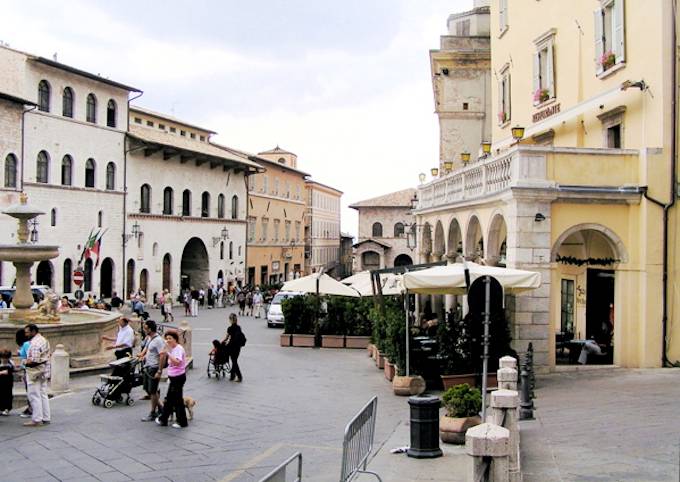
(291, 399)
(610, 425)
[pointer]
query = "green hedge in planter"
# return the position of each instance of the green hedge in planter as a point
(389, 331)
(453, 340)
(299, 314)
(462, 401)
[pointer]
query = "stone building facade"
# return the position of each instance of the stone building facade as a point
(276, 211)
(322, 228)
(384, 222)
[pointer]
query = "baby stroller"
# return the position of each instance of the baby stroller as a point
(125, 376)
(218, 363)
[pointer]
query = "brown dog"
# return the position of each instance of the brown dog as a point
(189, 404)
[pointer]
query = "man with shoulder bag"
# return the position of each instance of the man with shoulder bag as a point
(37, 373)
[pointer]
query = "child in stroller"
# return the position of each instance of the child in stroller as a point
(218, 363)
(125, 376)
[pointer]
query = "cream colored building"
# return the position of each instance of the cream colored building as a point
(575, 199)
(276, 211)
(322, 228)
(384, 222)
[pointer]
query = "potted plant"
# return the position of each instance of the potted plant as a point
(502, 117)
(607, 60)
(541, 95)
(453, 340)
(462, 404)
(332, 327)
(299, 314)
(358, 323)
(379, 336)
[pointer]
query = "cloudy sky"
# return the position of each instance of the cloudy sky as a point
(345, 85)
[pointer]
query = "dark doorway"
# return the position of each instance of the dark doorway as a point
(263, 274)
(251, 276)
(106, 278)
(144, 281)
(88, 275)
(130, 277)
(220, 277)
(600, 308)
(403, 260)
(44, 274)
(167, 271)
(68, 268)
(195, 265)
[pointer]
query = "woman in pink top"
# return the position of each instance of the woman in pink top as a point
(174, 400)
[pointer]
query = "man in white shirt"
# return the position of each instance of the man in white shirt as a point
(257, 302)
(124, 340)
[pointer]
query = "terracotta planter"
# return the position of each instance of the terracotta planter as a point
(452, 430)
(407, 386)
(286, 339)
(333, 341)
(379, 360)
(357, 341)
(390, 370)
(452, 380)
(303, 340)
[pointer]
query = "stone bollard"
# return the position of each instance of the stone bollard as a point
(507, 378)
(507, 362)
(504, 412)
(489, 447)
(60, 367)
(187, 339)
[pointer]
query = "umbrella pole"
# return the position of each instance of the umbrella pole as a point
(485, 358)
(408, 369)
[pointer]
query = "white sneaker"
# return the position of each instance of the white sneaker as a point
(176, 425)
(25, 415)
(5, 413)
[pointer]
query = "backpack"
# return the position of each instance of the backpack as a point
(243, 340)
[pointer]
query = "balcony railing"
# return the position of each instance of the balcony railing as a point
(532, 167)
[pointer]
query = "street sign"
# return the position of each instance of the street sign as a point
(78, 277)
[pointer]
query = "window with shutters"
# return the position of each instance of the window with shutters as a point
(265, 229)
(609, 36)
(251, 228)
(544, 68)
(504, 96)
(503, 16)
(277, 226)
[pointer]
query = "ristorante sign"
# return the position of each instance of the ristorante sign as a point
(547, 112)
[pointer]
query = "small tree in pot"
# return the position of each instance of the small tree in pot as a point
(462, 404)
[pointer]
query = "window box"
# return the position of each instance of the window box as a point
(541, 96)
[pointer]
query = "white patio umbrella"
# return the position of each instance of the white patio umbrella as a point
(319, 283)
(391, 283)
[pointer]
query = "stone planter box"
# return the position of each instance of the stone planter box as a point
(452, 430)
(470, 378)
(408, 386)
(389, 369)
(357, 341)
(286, 339)
(303, 340)
(332, 341)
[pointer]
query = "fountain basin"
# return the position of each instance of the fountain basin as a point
(27, 253)
(80, 332)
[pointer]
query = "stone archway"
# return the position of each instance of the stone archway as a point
(403, 260)
(474, 239)
(497, 241)
(454, 241)
(106, 274)
(44, 274)
(439, 242)
(195, 265)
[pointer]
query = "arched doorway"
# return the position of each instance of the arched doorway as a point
(144, 282)
(370, 260)
(43, 275)
(454, 240)
(474, 240)
(68, 269)
(439, 243)
(497, 245)
(106, 278)
(403, 260)
(88, 275)
(167, 271)
(130, 277)
(195, 267)
(220, 278)
(587, 257)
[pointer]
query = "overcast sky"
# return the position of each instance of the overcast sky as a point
(345, 84)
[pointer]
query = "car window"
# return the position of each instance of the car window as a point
(280, 297)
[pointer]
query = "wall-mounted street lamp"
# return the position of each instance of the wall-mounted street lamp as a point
(421, 177)
(434, 171)
(517, 133)
(465, 157)
(486, 148)
(136, 232)
(448, 166)
(412, 237)
(224, 234)
(33, 224)
(414, 202)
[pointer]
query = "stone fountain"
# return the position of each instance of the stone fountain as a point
(80, 331)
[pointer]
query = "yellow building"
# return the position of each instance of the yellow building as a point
(580, 198)
(276, 209)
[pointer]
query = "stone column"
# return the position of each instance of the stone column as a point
(488, 444)
(60, 368)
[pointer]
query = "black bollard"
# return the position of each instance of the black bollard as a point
(424, 427)
(526, 404)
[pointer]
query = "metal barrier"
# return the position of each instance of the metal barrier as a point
(279, 473)
(358, 442)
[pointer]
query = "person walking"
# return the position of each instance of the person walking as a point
(257, 302)
(249, 303)
(234, 340)
(38, 372)
(167, 303)
(24, 344)
(241, 298)
(124, 340)
(174, 399)
(152, 372)
(195, 296)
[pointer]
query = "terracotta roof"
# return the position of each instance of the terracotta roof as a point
(386, 246)
(207, 150)
(276, 150)
(396, 199)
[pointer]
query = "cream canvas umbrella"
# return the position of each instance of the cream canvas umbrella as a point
(391, 283)
(319, 283)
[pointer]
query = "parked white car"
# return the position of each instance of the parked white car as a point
(275, 313)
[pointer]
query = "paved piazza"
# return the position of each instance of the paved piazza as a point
(292, 399)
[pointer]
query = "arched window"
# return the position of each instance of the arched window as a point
(398, 230)
(205, 205)
(221, 249)
(111, 113)
(68, 267)
(154, 250)
(110, 176)
(91, 109)
(42, 167)
(186, 203)
(145, 201)
(44, 96)
(167, 200)
(220, 206)
(100, 219)
(88, 275)
(11, 171)
(89, 172)
(53, 217)
(377, 230)
(231, 250)
(66, 170)
(67, 102)
(234, 207)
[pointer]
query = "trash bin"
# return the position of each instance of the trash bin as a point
(424, 427)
